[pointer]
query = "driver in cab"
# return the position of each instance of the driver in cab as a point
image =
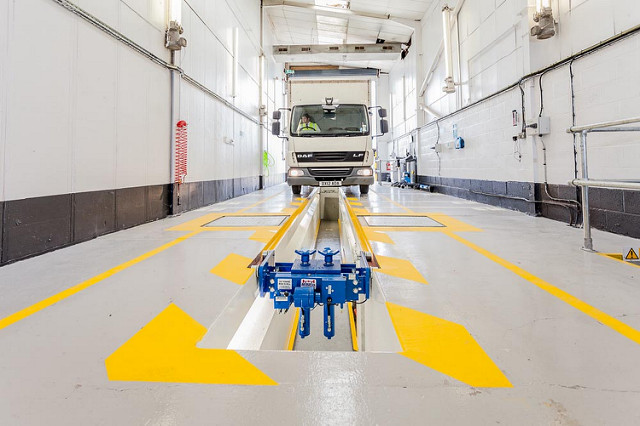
(307, 125)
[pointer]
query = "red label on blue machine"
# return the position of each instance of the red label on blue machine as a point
(307, 282)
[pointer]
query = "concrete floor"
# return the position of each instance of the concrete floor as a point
(559, 323)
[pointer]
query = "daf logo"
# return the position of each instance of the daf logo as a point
(358, 155)
(304, 155)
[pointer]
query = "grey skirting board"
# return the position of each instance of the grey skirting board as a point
(34, 226)
(611, 210)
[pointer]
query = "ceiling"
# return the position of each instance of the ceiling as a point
(314, 22)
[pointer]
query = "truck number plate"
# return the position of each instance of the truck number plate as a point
(330, 183)
(306, 282)
(284, 284)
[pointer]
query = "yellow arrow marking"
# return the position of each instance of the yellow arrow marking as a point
(234, 268)
(631, 255)
(165, 351)
(400, 268)
(446, 347)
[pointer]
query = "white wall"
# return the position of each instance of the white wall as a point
(81, 111)
(495, 52)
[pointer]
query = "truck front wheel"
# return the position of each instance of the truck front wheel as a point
(364, 189)
(296, 189)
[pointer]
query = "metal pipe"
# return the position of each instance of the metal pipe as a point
(588, 242)
(579, 129)
(172, 122)
(434, 65)
(436, 59)
(609, 184)
(448, 57)
(615, 129)
(428, 109)
(262, 108)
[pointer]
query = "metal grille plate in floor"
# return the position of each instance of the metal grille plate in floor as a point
(241, 221)
(399, 221)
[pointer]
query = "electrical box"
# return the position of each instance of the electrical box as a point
(544, 125)
(541, 127)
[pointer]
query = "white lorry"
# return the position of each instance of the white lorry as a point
(329, 133)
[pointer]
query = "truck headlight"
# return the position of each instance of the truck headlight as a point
(365, 172)
(296, 172)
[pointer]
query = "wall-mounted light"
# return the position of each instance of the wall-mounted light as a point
(543, 16)
(173, 41)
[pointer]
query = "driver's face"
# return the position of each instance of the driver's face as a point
(305, 119)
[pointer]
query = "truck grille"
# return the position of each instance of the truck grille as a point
(333, 172)
(330, 156)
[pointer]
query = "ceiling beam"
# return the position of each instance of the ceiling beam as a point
(332, 11)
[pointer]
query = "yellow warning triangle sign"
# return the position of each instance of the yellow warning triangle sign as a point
(632, 255)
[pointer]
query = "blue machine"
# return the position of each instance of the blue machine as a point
(307, 283)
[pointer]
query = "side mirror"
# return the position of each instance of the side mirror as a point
(384, 126)
(277, 115)
(382, 112)
(275, 127)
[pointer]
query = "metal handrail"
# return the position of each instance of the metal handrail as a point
(604, 125)
(585, 182)
(610, 184)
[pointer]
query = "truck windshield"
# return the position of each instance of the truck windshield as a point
(329, 120)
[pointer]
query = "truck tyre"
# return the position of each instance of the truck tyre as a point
(296, 189)
(364, 189)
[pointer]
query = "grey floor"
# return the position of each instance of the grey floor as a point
(565, 366)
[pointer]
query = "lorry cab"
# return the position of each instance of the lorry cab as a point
(329, 143)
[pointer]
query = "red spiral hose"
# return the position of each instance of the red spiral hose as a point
(181, 152)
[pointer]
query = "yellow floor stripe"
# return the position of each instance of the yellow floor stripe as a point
(352, 324)
(400, 268)
(380, 237)
(24, 313)
(165, 351)
(408, 210)
(360, 211)
(260, 202)
(288, 210)
(263, 235)
(446, 347)
(571, 300)
(293, 330)
(353, 203)
(618, 257)
(234, 268)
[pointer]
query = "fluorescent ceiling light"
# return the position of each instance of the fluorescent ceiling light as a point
(339, 4)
